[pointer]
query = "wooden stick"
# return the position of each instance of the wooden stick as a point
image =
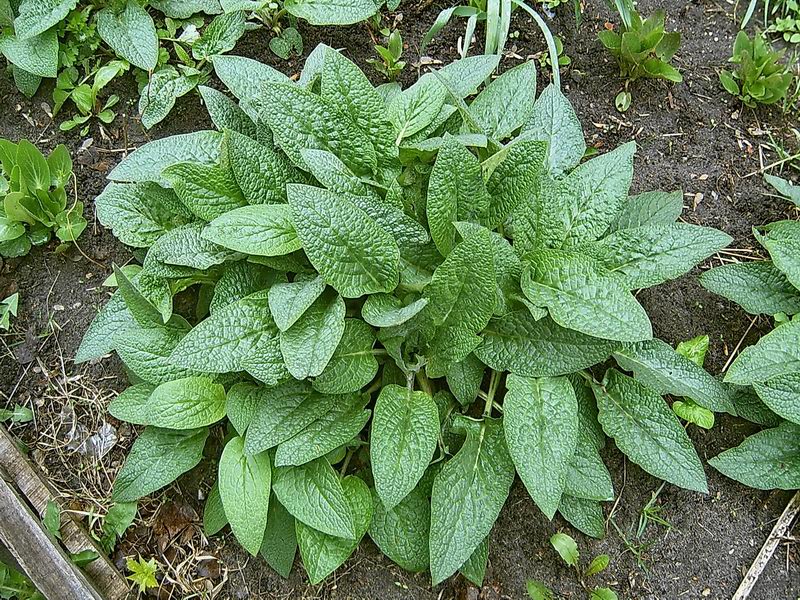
(42, 561)
(16, 469)
(781, 530)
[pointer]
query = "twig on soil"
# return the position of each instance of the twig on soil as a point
(782, 528)
(739, 344)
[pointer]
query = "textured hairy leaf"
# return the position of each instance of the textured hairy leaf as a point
(416, 107)
(280, 540)
(186, 403)
(164, 87)
(405, 431)
(354, 254)
(456, 192)
(657, 365)
(37, 16)
(37, 55)
(782, 395)
(331, 12)
(758, 287)
(540, 421)
(353, 364)
(782, 241)
(402, 532)
(343, 421)
(288, 301)
(242, 403)
(262, 230)
(582, 295)
(768, 460)
(146, 162)
(139, 213)
(554, 121)
(507, 102)
(225, 113)
(220, 343)
(158, 457)
(244, 486)
(385, 310)
(647, 431)
(467, 496)
(518, 343)
(208, 191)
(514, 178)
(220, 35)
(131, 404)
(302, 120)
(313, 494)
(245, 78)
(777, 353)
(131, 33)
(464, 379)
(214, 518)
(585, 515)
(649, 208)
(241, 279)
(649, 255)
(179, 251)
(308, 345)
(475, 567)
(333, 173)
(322, 553)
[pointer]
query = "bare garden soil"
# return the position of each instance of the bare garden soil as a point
(691, 136)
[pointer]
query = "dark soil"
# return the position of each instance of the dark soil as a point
(691, 136)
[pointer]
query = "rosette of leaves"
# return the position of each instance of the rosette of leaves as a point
(759, 77)
(35, 203)
(399, 293)
(765, 377)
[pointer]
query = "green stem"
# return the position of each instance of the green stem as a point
(346, 462)
(548, 36)
(494, 383)
(424, 383)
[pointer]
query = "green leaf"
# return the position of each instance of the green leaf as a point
(186, 403)
(144, 573)
(402, 532)
(331, 12)
(466, 75)
(242, 404)
(308, 345)
(139, 213)
(467, 496)
(694, 349)
(214, 518)
(593, 194)
(323, 553)
(225, 113)
(475, 567)
(244, 486)
(52, 519)
(289, 301)
(758, 287)
(157, 458)
(220, 35)
(456, 192)
(784, 187)
(131, 33)
(647, 431)
(582, 295)
(649, 255)
(461, 299)
(353, 364)
(775, 354)
(554, 121)
(566, 547)
(540, 421)
(280, 540)
(416, 107)
(245, 78)
(513, 180)
(464, 379)
(282, 412)
(291, 121)
(148, 161)
(220, 343)
(782, 395)
(518, 343)
(585, 515)
(782, 241)
(33, 168)
(655, 364)
(36, 55)
(385, 310)
(507, 102)
(404, 436)
(690, 411)
(208, 191)
(241, 279)
(649, 208)
(343, 421)
(38, 16)
(538, 591)
(131, 404)
(603, 594)
(314, 495)
(768, 460)
(598, 565)
(587, 476)
(333, 173)
(262, 230)
(353, 253)
(164, 87)
(116, 522)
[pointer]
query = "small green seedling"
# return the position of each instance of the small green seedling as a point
(85, 95)
(567, 549)
(643, 49)
(19, 414)
(35, 203)
(390, 64)
(759, 77)
(143, 573)
(8, 309)
(687, 408)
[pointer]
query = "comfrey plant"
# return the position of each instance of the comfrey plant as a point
(398, 293)
(766, 376)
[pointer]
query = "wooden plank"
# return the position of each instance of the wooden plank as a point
(109, 582)
(44, 562)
